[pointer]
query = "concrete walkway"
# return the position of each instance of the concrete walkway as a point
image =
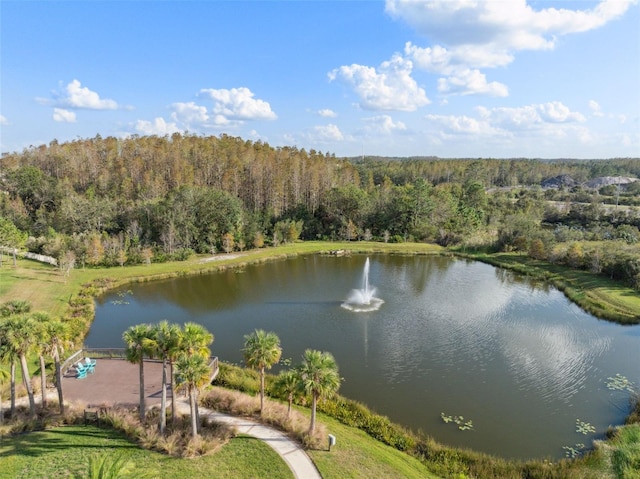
(116, 383)
(295, 457)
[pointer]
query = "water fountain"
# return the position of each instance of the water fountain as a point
(363, 300)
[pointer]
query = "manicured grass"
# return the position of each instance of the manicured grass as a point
(600, 296)
(64, 451)
(357, 455)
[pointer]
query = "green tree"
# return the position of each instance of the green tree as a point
(7, 351)
(57, 334)
(165, 344)
(261, 351)
(137, 339)
(42, 346)
(4, 375)
(320, 378)
(195, 341)
(288, 385)
(20, 334)
(10, 237)
(193, 372)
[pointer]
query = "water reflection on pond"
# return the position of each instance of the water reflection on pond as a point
(453, 338)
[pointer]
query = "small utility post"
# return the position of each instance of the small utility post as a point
(332, 441)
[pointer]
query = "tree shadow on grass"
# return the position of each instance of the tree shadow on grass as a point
(38, 443)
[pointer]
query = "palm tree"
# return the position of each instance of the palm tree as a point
(320, 378)
(165, 344)
(288, 384)
(137, 340)
(195, 341)
(57, 332)
(42, 345)
(7, 353)
(4, 375)
(21, 336)
(261, 351)
(193, 372)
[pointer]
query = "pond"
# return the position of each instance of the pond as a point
(452, 338)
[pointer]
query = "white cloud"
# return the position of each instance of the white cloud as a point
(462, 125)
(478, 34)
(595, 108)
(189, 113)
(556, 112)
(327, 113)
(328, 132)
(469, 82)
(391, 87)
(511, 25)
(237, 104)
(3, 120)
(531, 116)
(81, 97)
(158, 127)
(383, 124)
(63, 116)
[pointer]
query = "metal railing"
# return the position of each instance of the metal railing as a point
(120, 353)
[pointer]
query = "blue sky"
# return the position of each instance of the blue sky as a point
(451, 78)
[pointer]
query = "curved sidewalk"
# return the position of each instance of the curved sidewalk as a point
(116, 382)
(295, 457)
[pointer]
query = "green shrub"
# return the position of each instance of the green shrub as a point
(240, 379)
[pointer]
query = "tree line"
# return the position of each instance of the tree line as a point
(115, 202)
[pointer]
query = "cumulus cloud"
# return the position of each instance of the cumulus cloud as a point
(469, 82)
(80, 97)
(531, 116)
(3, 120)
(327, 113)
(189, 113)
(595, 108)
(383, 124)
(237, 104)
(63, 116)
(390, 87)
(157, 127)
(512, 25)
(474, 34)
(328, 132)
(462, 125)
(538, 123)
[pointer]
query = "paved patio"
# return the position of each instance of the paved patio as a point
(115, 382)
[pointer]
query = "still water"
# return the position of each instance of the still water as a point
(455, 337)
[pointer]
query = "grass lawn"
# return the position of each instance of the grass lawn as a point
(64, 452)
(357, 455)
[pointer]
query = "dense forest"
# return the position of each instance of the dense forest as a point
(112, 201)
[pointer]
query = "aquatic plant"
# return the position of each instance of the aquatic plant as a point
(620, 383)
(458, 420)
(573, 451)
(584, 427)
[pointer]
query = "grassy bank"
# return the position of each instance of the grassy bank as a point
(598, 295)
(47, 289)
(359, 425)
